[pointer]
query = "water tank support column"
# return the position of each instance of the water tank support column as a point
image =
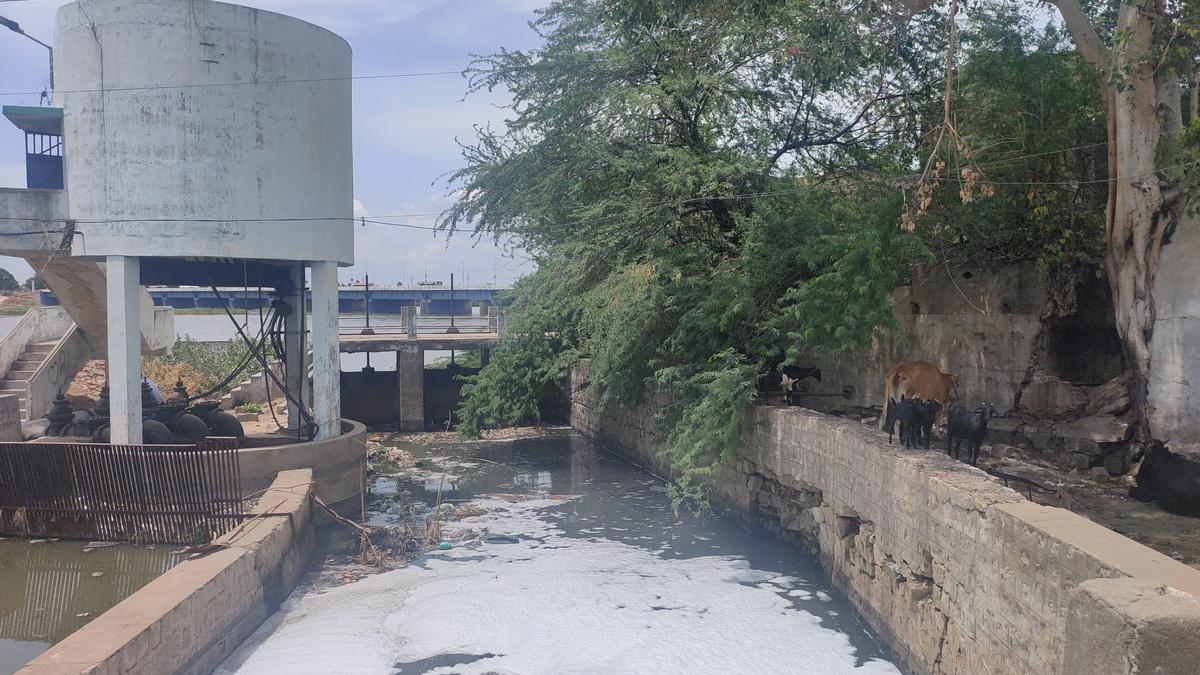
(296, 345)
(327, 394)
(124, 348)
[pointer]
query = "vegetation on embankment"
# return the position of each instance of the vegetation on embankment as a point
(709, 188)
(201, 366)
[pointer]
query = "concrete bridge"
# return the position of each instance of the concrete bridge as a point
(432, 299)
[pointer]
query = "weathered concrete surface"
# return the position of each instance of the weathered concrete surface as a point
(40, 324)
(337, 464)
(958, 573)
(1127, 626)
(54, 374)
(39, 212)
(254, 389)
(80, 286)
(982, 328)
(191, 618)
(10, 419)
(1175, 345)
(410, 379)
(208, 169)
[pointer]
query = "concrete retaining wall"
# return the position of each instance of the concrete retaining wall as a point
(337, 464)
(56, 372)
(957, 573)
(191, 618)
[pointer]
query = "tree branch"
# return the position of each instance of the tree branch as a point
(1087, 40)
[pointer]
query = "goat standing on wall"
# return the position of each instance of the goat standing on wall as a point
(916, 421)
(917, 379)
(968, 425)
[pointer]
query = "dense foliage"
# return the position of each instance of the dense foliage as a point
(199, 365)
(709, 188)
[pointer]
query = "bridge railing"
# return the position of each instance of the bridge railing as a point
(413, 325)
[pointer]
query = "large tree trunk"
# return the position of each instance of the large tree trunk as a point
(1143, 109)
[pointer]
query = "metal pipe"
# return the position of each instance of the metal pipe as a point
(16, 28)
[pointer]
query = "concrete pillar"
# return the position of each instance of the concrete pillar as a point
(410, 380)
(327, 370)
(408, 318)
(124, 349)
(296, 344)
(485, 357)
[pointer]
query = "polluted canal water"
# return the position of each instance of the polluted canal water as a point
(49, 589)
(570, 560)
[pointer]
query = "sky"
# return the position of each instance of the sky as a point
(405, 130)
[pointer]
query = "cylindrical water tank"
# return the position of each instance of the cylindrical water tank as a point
(204, 129)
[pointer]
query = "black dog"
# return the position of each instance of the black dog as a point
(916, 421)
(1170, 479)
(971, 426)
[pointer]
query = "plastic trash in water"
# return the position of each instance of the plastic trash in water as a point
(500, 539)
(444, 546)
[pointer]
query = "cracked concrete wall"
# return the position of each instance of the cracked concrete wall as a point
(1175, 345)
(956, 572)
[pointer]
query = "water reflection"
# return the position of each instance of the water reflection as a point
(50, 589)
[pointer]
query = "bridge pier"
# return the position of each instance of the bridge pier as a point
(410, 380)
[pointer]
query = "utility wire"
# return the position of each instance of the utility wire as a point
(644, 210)
(299, 80)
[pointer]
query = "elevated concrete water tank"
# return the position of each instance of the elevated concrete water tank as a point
(197, 128)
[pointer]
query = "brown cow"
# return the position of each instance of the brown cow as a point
(918, 379)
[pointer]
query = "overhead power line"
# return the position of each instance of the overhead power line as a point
(378, 220)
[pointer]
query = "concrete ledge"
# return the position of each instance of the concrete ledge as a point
(956, 572)
(337, 465)
(1126, 626)
(191, 618)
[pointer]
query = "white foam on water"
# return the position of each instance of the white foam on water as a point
(552, 604)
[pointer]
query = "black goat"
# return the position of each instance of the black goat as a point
(1171, 479)
(967, 425)
(916, 421)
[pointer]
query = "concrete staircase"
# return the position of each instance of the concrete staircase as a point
(16, 379)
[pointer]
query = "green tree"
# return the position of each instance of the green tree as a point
(668, 166)
(8, 282)
(1145, 59)
(709, 188)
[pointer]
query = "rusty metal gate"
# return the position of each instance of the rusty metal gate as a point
(183, 494)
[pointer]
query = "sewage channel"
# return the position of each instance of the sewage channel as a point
(49, 589)
(568, 560)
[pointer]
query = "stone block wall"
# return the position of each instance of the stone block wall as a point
(958, 573)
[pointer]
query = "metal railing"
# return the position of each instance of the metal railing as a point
(183, 494)
(414, 325)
